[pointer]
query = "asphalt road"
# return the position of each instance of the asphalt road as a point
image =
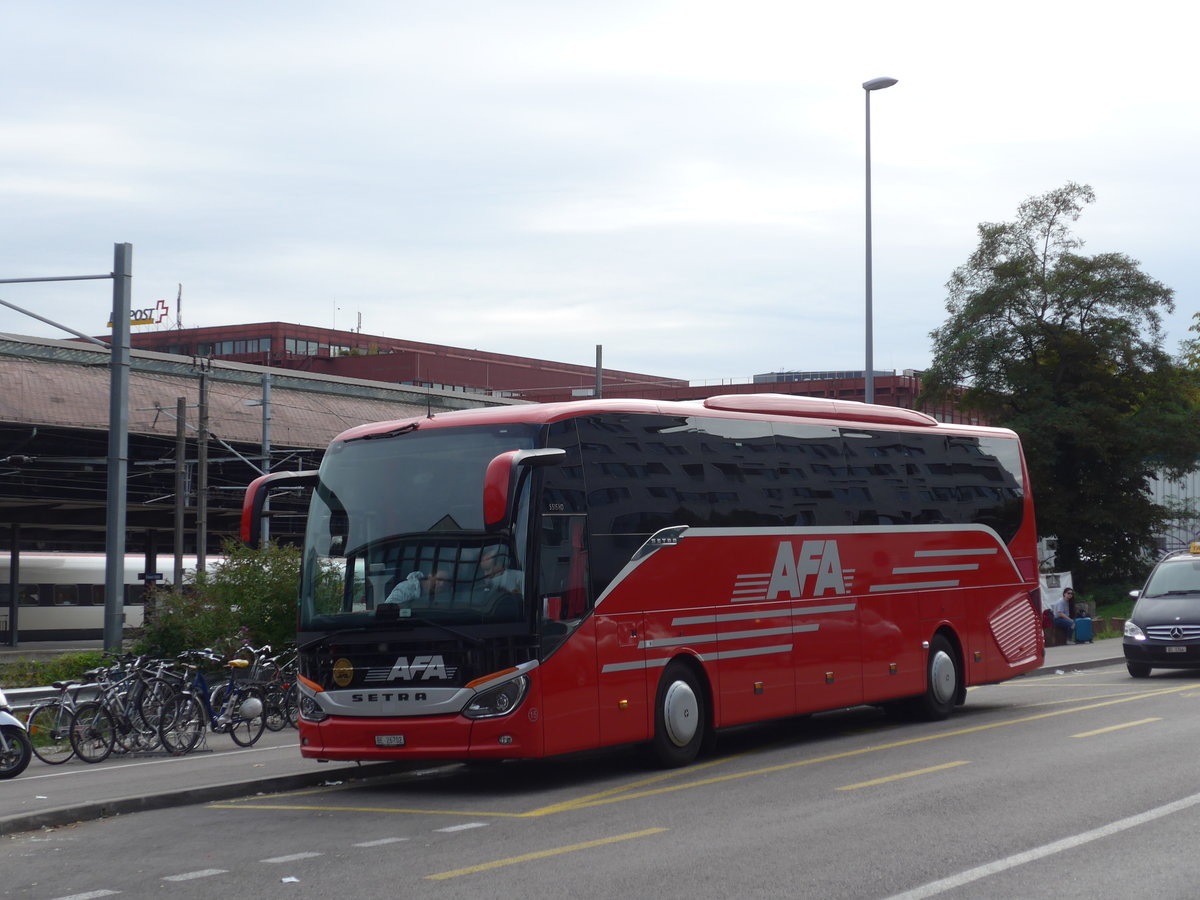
(47, 796)
(1074, 785)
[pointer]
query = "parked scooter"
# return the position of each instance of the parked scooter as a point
(15, 748)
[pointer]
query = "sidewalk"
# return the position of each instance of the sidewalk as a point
(1082, 656)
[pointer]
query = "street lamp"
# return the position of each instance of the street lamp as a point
(875, 84)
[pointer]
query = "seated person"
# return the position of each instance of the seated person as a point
(1062, 614)
(496, 574)
(417, 586)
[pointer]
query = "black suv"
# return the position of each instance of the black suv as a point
(1163, 632)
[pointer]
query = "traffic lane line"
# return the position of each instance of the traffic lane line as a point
(654, 786)
(933, 888)
(543, 854)
(1111, 728)
(902, 775)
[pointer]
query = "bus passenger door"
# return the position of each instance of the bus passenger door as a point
(568, 671)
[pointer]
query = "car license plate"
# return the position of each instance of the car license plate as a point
(1177, 649)
(389, 740)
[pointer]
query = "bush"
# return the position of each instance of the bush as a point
(249, 596)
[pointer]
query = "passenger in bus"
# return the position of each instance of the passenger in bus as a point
(1062, 614)
(497, 577)
(417, 586)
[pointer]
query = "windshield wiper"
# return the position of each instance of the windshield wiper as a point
(358, 629)
(469, 638)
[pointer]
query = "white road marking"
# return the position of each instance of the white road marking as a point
(291, 857)
(462, 827)
(199, 873)
(1070, 843)
(380, 842)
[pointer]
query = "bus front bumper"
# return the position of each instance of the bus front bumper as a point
(435, 737)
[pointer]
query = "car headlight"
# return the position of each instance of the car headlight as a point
(1132, 631)
(310, 710)
(497, 701)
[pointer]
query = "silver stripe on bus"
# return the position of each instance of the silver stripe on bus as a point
(708, 639)
(762, 614)
(972, 551)
(636, 664)
(916, 570)
(914, 586)
(704, 657)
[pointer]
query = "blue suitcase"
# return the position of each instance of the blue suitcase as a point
(1083, 630)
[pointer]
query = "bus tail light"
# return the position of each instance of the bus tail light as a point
(498, 701)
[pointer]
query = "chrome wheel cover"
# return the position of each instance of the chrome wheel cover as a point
(943, 679)
(681, 713)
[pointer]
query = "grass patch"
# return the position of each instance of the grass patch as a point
(23, 673)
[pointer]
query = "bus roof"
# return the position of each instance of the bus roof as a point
(756, 407)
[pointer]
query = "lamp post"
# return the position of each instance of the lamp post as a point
(875, 84)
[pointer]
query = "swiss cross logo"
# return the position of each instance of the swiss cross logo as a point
(813, 572)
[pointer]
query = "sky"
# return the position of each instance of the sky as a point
(680, 183)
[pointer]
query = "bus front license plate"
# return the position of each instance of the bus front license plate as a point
(1177, 649)
(389, 740)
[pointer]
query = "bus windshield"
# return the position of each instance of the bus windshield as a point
(396, 532)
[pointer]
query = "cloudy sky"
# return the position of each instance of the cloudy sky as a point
(682, 183)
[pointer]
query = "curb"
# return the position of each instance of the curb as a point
(103, 809)
(1076, 666)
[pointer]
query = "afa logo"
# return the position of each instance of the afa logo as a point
(422, 668)
(817, 562)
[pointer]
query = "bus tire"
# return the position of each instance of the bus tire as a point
(680, 717)
(943, 681)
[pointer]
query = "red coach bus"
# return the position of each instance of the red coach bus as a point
(534, 580)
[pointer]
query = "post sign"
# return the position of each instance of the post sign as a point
(149, 316)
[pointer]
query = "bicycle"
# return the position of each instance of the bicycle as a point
(276, 676)
(49, 724)
(186, 717)
(119, 715)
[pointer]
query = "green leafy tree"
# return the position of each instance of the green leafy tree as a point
(1066, 349)
(249, 595)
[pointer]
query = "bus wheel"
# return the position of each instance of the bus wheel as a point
(942, 682)
(680, 717)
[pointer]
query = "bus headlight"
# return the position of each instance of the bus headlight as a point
(497, 701)
(1132, 631)
(310, 710)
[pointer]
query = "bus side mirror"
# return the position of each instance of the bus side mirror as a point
(256, 496)
(500, 481)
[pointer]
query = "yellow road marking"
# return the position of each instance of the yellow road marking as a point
(886, 779)
(631, 790)
(543, 854)
(1084, 734)
(848, 754)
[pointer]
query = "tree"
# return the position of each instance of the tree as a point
(249, 595)
(1066, 350)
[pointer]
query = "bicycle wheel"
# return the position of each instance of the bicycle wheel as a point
(154, 699)
(49, 727)
(291, 705)
(248, 717)
(93, 732)
(181, 725)
(274, 713)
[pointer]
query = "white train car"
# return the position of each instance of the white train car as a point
(60, 596)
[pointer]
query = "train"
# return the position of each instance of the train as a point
(60, 596)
